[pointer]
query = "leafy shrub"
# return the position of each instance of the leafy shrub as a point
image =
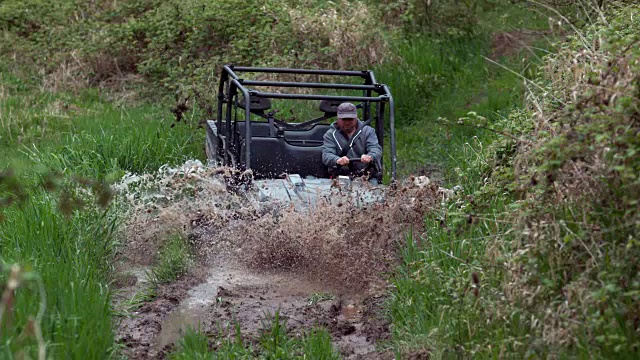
(578, 266)
(550, 229)
(181, 45)
(570, 164)
(450, 17)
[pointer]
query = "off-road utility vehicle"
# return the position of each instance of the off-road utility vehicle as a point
(284, 157)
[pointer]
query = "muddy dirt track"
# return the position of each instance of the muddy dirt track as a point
(325, 267)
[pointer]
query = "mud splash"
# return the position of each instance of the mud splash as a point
(325, 267)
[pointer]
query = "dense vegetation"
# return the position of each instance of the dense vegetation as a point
(536, 256)
(541, 256)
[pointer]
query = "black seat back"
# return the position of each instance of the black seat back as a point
(274, 157)
(297, 152)
(256, 104)
(330, 107)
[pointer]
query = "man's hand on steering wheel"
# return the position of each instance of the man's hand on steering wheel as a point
(366, 158)
(345, 162)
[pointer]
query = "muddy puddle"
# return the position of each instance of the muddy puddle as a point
(325, 268)
(231, 295)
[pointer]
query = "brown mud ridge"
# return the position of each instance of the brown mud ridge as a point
(322, 268)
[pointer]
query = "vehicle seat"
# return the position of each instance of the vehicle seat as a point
(330, 107)
(257, 105)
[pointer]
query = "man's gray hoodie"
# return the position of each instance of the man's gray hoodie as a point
(364, 141)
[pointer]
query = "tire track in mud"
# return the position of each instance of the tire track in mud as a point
(319, 268)
(231, 295)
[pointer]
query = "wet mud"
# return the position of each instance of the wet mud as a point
(233, 295)
(326, 267)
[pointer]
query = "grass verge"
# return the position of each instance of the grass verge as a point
(537, 256)
(74, 139)
(72, 257)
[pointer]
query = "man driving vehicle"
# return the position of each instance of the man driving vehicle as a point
(349, 138)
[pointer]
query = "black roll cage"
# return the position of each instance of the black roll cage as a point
(233, 83)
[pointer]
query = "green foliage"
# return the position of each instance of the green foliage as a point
(173, 260)
(580, 188)
(457, 18)
(318, 297)
(317, 345)
(179, 46)
(55, 219)
(193, 345)
(548, 221)
(196, 345)
(537, 256)
(463, 117)
(79, 157)
(137, 300)
(87, 136)
(445, 79)
(274, 340)
(445, 292)
(179, 41)
(452, 17)
(71, 256)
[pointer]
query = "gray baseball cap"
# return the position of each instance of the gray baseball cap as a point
(348, 111)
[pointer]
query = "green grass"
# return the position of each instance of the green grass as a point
(317, 345)
(137, 300)
(318, 297)
(98, 140)
(434, 306)
(193, 345)
(274, 343)
(173, 260)
(445, 79)
(74, 134)
(84, 133)
(462, 291)
(72, 257)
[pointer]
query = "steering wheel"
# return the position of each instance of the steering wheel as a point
(349, 168)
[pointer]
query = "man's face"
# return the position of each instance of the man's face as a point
(347, 125)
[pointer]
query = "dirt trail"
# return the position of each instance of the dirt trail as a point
(321, 268)
(230, 294)
(504, 44)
